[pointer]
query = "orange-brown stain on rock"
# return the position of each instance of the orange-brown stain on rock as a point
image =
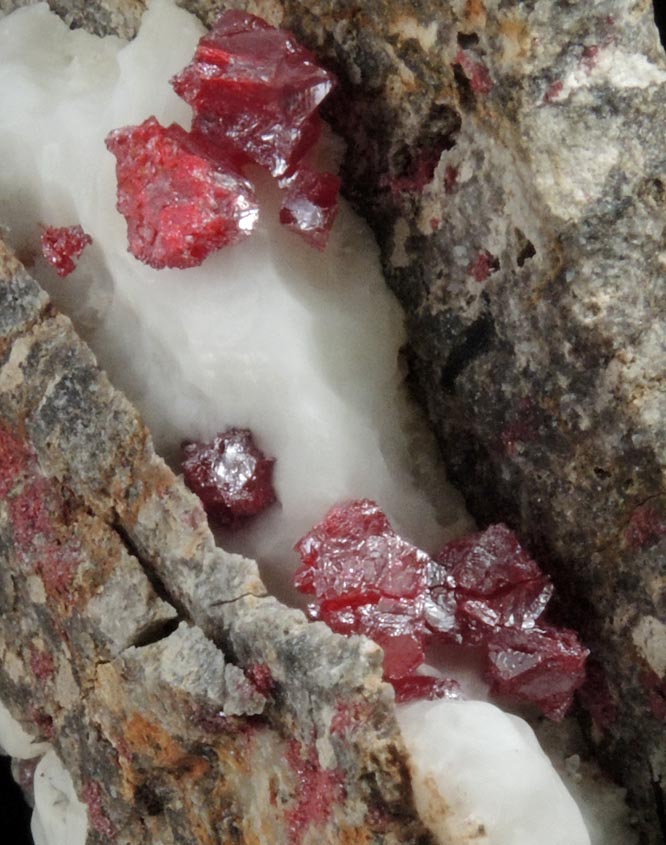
(517, 38)
(475, 13)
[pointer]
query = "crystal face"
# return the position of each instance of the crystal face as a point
(231, 475)
(179, 204)
(483, 590)
(255, 90)
(62, 246)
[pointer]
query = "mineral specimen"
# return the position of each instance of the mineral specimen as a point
(180, 205)
(483, 590)
(62, 246)
(120, 616)
(255, 91)
(231, 475)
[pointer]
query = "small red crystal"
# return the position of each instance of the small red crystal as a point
(231, 475)
(62, 246)
(485, 582)
(543, 666)
(179, 204)
(310, 204)
(256, 90)
(425, 687)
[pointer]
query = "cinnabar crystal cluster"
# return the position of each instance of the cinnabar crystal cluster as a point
(231, 475)
(62, 246)
(254, 92)
(483, 590)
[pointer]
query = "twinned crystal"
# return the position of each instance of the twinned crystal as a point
(483, 590)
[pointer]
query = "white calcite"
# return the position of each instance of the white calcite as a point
(59, 818)
(480, 776)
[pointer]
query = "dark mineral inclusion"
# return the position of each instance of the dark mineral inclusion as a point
(511, 158)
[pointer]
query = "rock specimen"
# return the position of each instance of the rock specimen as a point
(186, 704)
(511, 159)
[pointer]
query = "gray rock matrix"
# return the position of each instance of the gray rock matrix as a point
(511, 157)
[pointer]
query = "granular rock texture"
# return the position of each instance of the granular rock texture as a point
(187, 705)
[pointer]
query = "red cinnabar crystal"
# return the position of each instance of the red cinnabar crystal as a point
(232, 477)
(62, 246)
(179, 204)
(483, 590)
(485, 582)
(309, 205)
(256, 89)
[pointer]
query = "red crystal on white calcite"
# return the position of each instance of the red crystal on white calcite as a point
(62, 246)
(483, 590)
(231, 475)
(179, 204)
(255, 93)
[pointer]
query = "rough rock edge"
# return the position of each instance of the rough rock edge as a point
(103, 553)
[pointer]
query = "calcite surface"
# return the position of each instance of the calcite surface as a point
(186, 704)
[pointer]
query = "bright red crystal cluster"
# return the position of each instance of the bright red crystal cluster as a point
(62, 246)
(231, 475)
(254, 92)
(483, 590)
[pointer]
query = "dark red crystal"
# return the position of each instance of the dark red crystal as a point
(543, 666)
(368, 580)
(255, 90)
(309, 205)
(485, 582)
(62, 246)
(483, 590)
(231, 475)
(180, 204)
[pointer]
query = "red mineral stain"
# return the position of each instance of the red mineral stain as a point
(14, 459)
(554, 91)
(92, 796)
(656, 687)
(646, 526)
(597, 697)
(317, 791)
(43, 722)
(476, 72)
(41, 663)
(261, 677)
(62, 246)
(521, 427)
(590, 57)
(483, 266)
(231, 475)
(450, 178)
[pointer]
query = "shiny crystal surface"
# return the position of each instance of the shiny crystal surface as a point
(309, 204)
(484, 582)
(483, 590)
(180, 205)
(368, 580)
(230, 474)
(543, 666)
(62, 246)
(254, 89)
